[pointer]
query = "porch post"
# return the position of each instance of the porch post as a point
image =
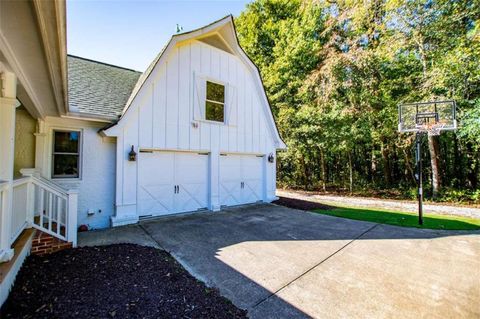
(8, 104)
(40, 152)
(29, 172)
(72, 208)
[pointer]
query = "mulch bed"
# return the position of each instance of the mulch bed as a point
(116, 281)
(301, 204)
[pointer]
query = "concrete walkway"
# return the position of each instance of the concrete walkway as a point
(278, 262)
(400, 205)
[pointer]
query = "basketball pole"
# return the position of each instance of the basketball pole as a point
(421, 118)
(419, 177)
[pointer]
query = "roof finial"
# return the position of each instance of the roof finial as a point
(179, 28)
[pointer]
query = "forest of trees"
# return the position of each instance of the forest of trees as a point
(335, 72)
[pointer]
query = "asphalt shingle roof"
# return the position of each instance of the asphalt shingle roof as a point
(99, 89)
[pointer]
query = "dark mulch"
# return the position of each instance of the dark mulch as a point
(117, 281)
(301, 204)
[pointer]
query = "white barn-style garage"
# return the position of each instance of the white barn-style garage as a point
(197, 132)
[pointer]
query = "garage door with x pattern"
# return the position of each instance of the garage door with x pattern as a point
(241, 179)
(172, 182)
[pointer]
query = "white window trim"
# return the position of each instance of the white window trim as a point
(80, 154)
(225, 95)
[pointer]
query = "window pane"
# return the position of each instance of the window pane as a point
(66, 142)
(65, 165)
(215, 92)
(214, 111)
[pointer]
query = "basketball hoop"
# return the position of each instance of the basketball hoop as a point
(429, 118)
(433, 129)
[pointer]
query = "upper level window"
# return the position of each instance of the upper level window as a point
(215, 102)
(66, 154)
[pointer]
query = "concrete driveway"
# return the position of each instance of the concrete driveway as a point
(278, 262)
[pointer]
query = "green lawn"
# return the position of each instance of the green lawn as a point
(404, 219)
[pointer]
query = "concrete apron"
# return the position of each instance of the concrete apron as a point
(278, 262)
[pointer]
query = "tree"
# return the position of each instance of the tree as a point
(432, 30)
(335, 71)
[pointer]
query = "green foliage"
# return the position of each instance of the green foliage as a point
(460, 195)
(270, 29)
(335, 71)
(404, 219)
(470, 130)
(448, 194)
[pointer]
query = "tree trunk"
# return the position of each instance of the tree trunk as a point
(457, 163)
(350, 169)
(334, 170)
(373, 167)
(408, 165)
(386, 165)
(322, 166)
(305, 172)
(433, 146)
(472, 172)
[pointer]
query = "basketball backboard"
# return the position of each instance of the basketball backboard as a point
(428, 117)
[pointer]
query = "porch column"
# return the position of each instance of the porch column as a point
(40, 152)
(8, 104)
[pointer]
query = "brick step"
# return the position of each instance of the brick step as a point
(44, 243)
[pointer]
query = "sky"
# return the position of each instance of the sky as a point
(131, 33)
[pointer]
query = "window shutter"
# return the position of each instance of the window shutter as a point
(199, 92)
(231, 105)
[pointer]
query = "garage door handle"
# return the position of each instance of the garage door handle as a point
(178, 189)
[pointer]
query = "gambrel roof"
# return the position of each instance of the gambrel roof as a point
(152, 65)
(221, 34)
(97, 89)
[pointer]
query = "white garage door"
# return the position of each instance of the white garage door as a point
(172, 182)
(241, 179)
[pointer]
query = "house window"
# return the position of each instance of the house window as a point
(215, 102)
(66, 154)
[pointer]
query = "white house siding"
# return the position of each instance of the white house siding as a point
(96, 184)
(161, 117)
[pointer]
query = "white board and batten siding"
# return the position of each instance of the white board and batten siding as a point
(185, 163)
(167, 112)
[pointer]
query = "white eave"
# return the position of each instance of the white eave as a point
(33, 47)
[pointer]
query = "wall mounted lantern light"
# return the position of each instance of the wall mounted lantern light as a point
(132, 155)
(271, 159)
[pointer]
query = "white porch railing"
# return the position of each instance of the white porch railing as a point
(19, 208)
(3, 188)
(3, 194)
(6, 253)
(44, 205)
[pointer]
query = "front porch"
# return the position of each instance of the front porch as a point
(37, 215)
(33, 77)
(28, 199)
